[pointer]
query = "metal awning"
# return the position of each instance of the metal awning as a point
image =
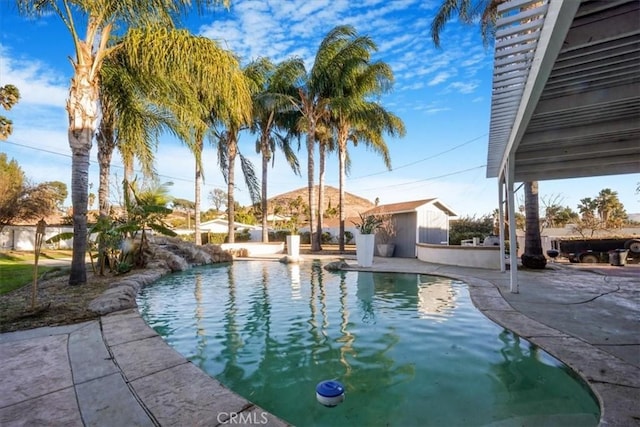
(566, 89)
(566, 95)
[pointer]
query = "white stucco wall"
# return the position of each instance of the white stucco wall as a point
(462, 256)
(22, 237)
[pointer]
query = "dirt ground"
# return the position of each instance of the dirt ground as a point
(57, 302)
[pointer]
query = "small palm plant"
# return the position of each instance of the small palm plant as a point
(368, 224)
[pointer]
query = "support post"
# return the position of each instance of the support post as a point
(501, 188)
(513, 242)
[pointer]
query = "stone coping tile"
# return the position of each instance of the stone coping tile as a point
(521, 324)
(621, 406)
(33, 368)
(108, 401)
(144, 357)
(88, 354)
(489, 302)
(119, 329)
(594, 364)
(186, 396)
(52, 410)
(44, 331)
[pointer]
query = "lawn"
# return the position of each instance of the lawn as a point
(16, 267)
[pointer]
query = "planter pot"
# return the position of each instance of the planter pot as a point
(365, 244)
(293, 245)
(386, 249)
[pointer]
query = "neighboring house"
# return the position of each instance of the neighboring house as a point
(22, 237)
(419, 221)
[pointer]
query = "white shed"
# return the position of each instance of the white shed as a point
(419, 221)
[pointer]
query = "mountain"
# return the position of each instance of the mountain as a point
(353, 204)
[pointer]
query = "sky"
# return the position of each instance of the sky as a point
(442, 95)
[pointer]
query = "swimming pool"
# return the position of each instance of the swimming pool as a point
(410, 349)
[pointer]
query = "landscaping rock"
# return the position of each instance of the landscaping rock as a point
(336, 265)
(287, 259)
(165, 255)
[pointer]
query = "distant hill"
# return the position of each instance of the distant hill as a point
(353, 204)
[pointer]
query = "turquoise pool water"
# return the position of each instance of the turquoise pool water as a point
(411, 350)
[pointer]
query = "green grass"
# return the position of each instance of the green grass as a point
(16, 267)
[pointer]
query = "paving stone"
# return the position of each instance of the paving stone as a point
(44, 331)
(88, 354)
(54, 409)
(185, 396)
(520, 324)
(126, 328)
(33, 368)
(591, 362)
(108, 401)
(260, 417)
(144, 357)
(621, 405)
(490, 302)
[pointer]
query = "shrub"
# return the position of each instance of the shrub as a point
(348, 237)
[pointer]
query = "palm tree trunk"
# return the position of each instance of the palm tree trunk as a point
(231, 216)
(310, 185)
(321, 174)
(342, 157)
(198, 188)
(82, 107)
(106, 145)
(532, 256)
(266, 156)
(105, 153)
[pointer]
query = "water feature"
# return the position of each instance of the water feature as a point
(409, 349)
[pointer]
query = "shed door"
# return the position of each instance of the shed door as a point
(406, 235)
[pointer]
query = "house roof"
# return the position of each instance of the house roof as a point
(566, 89)
(412, 206)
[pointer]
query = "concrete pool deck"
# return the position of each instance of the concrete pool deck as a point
(118, 371)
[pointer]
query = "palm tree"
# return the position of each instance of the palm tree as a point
(354, 115)
(486, 13)
(100, 17)
(272, 112)
(319, 85)
(227, 144)
(326, 143)
(9, 96)
(210, 88)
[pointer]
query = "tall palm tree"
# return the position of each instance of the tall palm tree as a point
(100, 17)
(355, 114)
(326, 144)
(485, 12)
(273, 115)
(210, 87)
(226, 141)
(319, 84)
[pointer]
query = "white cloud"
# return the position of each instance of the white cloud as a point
(441, 77)
(464, 87)
(37, 82)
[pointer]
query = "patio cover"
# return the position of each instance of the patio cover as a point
(566, 94)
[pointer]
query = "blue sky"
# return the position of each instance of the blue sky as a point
(443, 96)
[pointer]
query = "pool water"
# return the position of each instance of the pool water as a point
(410, 350)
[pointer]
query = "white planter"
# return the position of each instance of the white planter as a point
(365, 244)
(293, 245)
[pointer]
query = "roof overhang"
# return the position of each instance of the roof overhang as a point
(566, 89)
